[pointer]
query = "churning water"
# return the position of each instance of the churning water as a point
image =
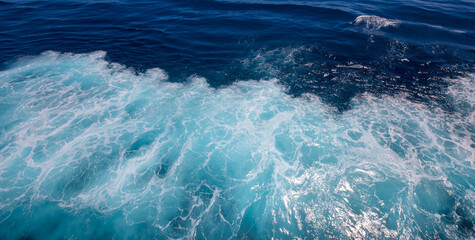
(305, 136)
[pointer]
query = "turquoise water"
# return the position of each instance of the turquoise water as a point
(91, 149)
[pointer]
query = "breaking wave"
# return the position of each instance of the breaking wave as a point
(372, 22)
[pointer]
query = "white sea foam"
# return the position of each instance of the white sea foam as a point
(372, 22)
(83, 138)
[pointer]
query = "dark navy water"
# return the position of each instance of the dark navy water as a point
(237, 119)
(220, 40)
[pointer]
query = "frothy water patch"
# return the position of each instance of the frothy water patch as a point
(372, 22)
(91, 149)
(397, 68)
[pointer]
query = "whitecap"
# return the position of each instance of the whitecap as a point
(373, 22)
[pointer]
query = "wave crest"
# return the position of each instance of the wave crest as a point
(373, 22)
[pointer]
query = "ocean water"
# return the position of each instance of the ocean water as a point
(237, 119)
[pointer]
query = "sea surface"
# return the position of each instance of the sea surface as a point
(259, 119)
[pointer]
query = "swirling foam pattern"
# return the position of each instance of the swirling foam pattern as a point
(89, 149)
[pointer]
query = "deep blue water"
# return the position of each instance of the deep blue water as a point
(221, 41)
(237, 119)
